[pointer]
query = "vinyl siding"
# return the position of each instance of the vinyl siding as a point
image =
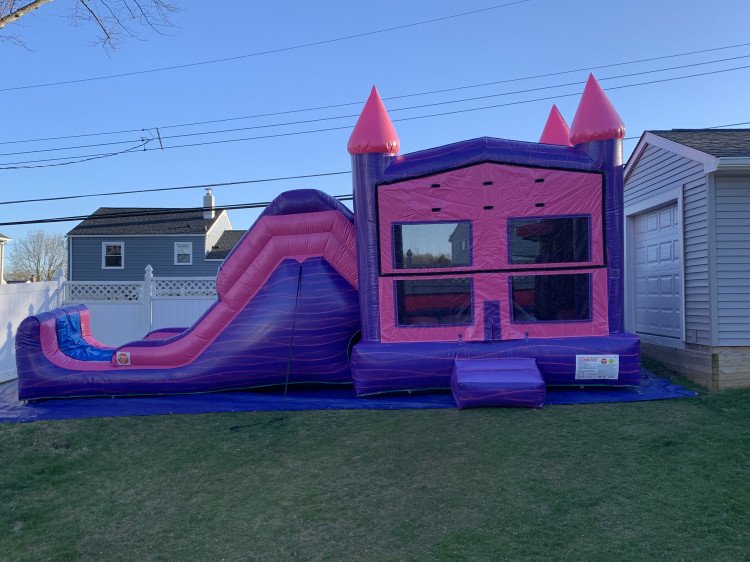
(732, 220)
(140, 251)
(660, 171)
(222, 223)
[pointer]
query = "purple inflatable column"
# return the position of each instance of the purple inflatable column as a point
(373, 144)
(598, 130)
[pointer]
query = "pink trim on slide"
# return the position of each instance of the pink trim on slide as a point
(282, 225)
(273, 240)
(494, 287)
(514, 193)
(51, 350)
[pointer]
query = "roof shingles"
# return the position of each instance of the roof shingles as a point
(151, 221)
(224, 245)
(716, 142)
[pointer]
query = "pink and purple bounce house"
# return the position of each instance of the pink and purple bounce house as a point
(489, 267)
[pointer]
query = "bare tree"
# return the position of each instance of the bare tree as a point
(116, 19)
(38, 254)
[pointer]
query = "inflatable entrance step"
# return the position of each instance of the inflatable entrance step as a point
(497, 382)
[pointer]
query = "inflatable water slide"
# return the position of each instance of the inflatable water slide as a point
(287, 310)
(490, 267)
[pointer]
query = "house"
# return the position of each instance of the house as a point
(3, 241)
(174, 242)
(687, 269)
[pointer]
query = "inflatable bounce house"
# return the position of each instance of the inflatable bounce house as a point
(491, 267)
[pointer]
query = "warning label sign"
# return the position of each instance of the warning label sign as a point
(597, 367)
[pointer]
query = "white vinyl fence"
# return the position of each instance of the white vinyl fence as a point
(17, 301)
(121, 311)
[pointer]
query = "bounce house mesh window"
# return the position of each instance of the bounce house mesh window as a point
(428, 245)
(551, 298)
(433, 302)
(549, 240)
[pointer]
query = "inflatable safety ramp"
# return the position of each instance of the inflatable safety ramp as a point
(287, 311)
(497, 382)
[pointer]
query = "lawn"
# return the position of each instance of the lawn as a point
(648, 480)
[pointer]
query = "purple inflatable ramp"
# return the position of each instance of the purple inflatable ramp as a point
(478, 383)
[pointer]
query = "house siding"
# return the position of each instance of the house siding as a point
(222, 223)
(659, 171)
(140, 251)
(732, 223)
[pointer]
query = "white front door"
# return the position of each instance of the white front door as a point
(658, 273)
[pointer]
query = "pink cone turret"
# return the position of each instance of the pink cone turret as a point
(596, 117)
(374, 131)
(556, 130)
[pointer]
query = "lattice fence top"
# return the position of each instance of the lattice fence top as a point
(96, 291)
(183, 287)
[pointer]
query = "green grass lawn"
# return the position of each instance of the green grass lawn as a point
(658, 480)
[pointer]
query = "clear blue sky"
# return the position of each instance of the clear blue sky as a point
(532, 38)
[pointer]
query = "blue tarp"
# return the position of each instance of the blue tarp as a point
(298, 398)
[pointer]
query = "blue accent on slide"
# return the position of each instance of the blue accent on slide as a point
(298, 398)
(72, 343)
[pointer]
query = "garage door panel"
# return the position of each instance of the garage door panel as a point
(658, 273)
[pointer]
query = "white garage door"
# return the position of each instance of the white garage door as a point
(658, 273)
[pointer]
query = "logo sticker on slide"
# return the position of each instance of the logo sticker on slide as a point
(589, 367)
(123, 358)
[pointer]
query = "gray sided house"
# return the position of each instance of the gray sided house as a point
(175, 244)
(687, 247)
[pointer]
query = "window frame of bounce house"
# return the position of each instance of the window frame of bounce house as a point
(417, 270)
(104, 255)
(396, 309)
(511, 303)
(590, 258)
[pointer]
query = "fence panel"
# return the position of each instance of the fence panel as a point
(115, 323)
(121, 311)
(17, 301)
(178, 312)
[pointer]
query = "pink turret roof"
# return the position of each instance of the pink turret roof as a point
(556, 130)
(596, 117)
(374, 131)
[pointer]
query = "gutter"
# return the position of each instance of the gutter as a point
(728, 163)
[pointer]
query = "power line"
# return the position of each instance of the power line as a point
(430, 92)
(337, 117)
(176, 188)
(154, 212)
(267, 52)
(13, 165)
(243, 182)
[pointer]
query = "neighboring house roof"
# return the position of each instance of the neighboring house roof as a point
(716, 142)
(167, 221)
(224, 245)
(4, 237)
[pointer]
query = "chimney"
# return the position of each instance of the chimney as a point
(208, 204)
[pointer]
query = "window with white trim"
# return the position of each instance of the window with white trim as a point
(113, 255)
(183, 253)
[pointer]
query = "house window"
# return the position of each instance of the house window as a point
(183, 253)
(113, 255)
(433, 302)
(549, 240)
(431, 245)
(551, 298)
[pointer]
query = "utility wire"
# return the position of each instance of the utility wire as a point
(15, 165)
(359, 103)
(267, 52)
(152, 212)
(83, 158)
(176, 188)
(217, 184)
